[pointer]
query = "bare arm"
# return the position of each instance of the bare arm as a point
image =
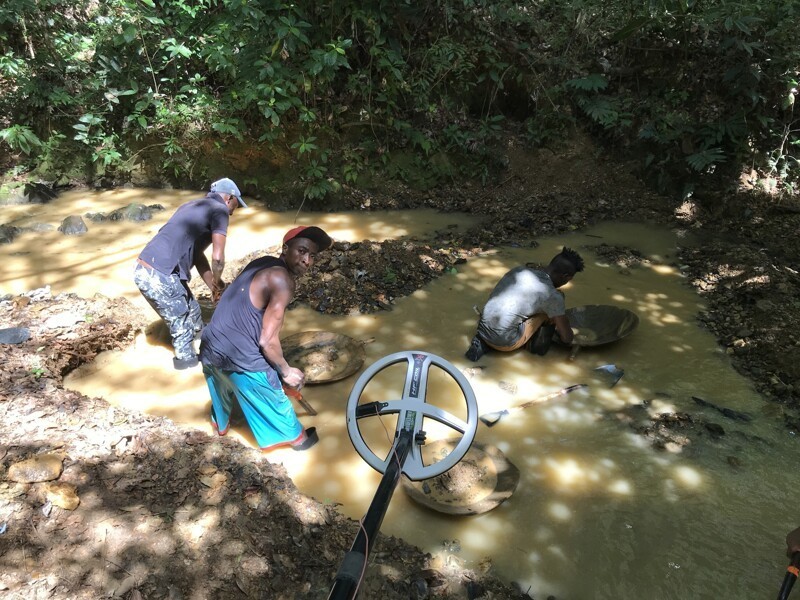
(217, 258)
(276, 287)
(563, 328)
(203, 268)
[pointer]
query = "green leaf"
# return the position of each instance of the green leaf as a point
(602, 110)
(20, 138)
(175, 48)
(129, 33)
(629, 28)
(700, 161)
(592, 83)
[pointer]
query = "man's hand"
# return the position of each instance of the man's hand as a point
(216, 291)
(293, 377)
(563, 329)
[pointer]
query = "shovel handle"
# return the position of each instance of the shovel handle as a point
(295, 394)
(493, 417)
(292, 392)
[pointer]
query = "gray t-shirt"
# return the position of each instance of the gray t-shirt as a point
(172, 249)
(520, 294)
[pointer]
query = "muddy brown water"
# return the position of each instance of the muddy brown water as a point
(598, 513)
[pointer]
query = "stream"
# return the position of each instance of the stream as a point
(598, 511)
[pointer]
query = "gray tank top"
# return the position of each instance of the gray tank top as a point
(230, 340)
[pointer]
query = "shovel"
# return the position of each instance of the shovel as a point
(493, 417)
(613, 373)
(295, 394)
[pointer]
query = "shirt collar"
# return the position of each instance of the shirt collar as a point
(215, 196)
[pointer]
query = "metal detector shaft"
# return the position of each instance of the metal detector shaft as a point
(792, 572)
(355, 561)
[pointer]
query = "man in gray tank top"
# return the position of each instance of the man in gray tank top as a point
(241, 349)
(526, 307)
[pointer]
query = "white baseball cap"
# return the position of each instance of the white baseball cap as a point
(226, 186)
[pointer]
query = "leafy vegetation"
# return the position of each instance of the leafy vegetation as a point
(352, 89)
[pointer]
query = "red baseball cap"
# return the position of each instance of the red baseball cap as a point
(315, 234)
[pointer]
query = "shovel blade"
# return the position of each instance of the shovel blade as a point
(492, 418)
(612, 372)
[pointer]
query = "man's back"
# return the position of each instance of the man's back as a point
(177, 237)
(521, 293)
(230, 340)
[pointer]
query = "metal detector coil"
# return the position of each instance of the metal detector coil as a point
(412, 408)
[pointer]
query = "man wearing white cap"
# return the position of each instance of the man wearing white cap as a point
(163, 268)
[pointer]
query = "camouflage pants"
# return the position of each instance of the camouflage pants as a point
(174, 302)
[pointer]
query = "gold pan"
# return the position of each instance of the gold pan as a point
(323, 356)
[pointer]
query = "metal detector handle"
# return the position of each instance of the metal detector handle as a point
(369, 409)
(352, 569)
(792, 571)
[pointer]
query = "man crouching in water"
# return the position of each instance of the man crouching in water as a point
(241, 351)
(525, 307)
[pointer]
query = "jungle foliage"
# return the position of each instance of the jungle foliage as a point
(697, 90)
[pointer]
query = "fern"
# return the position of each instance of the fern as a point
(605, 111)
(701, 161)
(593, 83)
